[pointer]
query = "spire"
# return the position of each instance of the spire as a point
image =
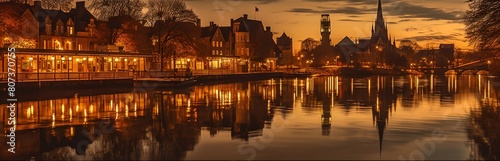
(372, 29)
(379, 12)
(394, 39)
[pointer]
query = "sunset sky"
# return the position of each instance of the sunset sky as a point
(428, 22)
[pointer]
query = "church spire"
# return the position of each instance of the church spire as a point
(380, 18)
(372, 29)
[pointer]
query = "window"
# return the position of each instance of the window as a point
(79, 46)
(44, 44)
(70, 30)
(213, 52)
(247, 51)
(213, 43)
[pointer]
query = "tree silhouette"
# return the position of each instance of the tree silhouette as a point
(104, 9)
(64, 5)
(171, 19)
(483, 24)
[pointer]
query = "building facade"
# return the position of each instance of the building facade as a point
(65, 42)
(285, 44)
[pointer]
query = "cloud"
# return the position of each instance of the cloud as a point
(409, 11)
(408, 29)
(436, 38)
(399, 9)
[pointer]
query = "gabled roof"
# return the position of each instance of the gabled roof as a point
(247, 25)
(226, 31)
(346, 41)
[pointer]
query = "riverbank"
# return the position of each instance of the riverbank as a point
(355, 72)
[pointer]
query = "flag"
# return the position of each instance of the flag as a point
(256, 9)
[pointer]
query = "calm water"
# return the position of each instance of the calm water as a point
(400, 117)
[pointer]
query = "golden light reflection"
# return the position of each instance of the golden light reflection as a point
(479, 81)
(432, 83)
(91, 108)
(70, 115)
(53, 120)
(126, 111)
(369, 86)
(352, 86)
(62, 112)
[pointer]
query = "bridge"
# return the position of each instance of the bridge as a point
(473, 66)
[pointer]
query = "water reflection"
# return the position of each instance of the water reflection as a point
(173, 124)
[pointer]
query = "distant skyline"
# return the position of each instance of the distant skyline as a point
(427, 22)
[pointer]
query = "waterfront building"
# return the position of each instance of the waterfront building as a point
(64, 44)
(285, 44)
(325, 52)
(253, 44)
(218, 55)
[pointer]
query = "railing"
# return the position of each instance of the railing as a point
(60, 76)
(213, 72)
(68, 76)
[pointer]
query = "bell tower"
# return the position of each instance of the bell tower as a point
(325, 29)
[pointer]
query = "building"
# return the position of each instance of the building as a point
(373, 51)
(349, 52)
(253, 44)
(448, 51)
(65, 45)
(218, 54)
(285, 44)
(380, 43)
(324, 54)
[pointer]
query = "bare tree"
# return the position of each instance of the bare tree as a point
(171, 9)
(64, 5)
(307, 47)
(104, 9)
(11, 20)
(170, 18)
(483, 24)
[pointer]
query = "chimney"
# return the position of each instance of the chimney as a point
(268, 29)
(245, 16)
(80, 5)
(211, 23)
(38, 4)
(198, 22)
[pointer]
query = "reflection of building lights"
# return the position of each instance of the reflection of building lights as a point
(188, 60)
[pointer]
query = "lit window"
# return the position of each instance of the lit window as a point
(79, 46)
(71, 30)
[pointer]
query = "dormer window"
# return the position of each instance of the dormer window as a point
(70, 30)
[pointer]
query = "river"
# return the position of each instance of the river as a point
(379, 117)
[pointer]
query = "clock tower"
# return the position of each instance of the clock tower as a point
(325, 29)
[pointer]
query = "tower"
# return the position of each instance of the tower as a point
(325, 29)
(379, 31)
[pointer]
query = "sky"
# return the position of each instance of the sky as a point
(427, 22)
